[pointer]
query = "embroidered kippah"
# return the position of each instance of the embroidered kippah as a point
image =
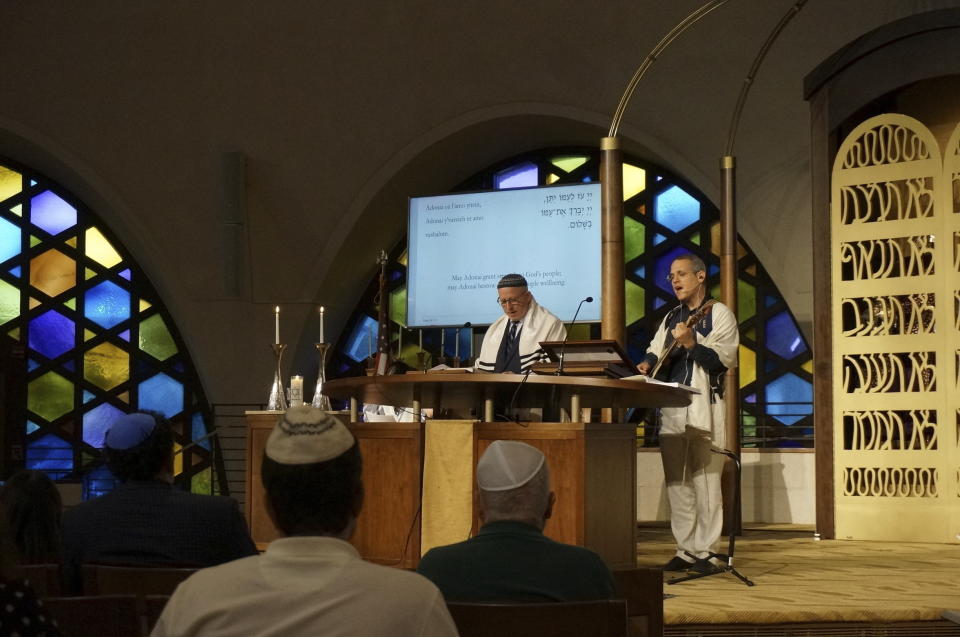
(306, 435)
(512, 281)
(508, 464)
(129, 431)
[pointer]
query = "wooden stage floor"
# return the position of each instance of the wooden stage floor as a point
(800, 580)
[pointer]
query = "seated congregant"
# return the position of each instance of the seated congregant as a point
(510, 559)
(512, 342)
(145, 520)
(30, 505)
(310, 581)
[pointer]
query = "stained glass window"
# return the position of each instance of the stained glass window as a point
(96, 339)
(663, 217)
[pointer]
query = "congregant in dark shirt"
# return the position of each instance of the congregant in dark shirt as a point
(510, 559)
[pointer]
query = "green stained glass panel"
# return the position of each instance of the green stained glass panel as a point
(634, 301)
(398, 306)
(106, 366)
(579, 332)
(50, 396)
(568, 163)
(9, 302)
(155, 338)
(634, 234)
(201, 482)
(746, 300)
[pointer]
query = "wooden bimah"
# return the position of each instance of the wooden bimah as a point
(592, 465)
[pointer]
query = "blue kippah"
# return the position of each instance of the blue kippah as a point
(129, 431)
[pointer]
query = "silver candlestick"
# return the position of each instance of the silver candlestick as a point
(278, 397)
(319, 400)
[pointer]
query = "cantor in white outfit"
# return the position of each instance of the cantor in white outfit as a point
(691, 470)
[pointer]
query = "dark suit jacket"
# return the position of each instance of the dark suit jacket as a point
(153, 523)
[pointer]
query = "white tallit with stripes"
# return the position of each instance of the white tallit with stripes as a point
(538, 325)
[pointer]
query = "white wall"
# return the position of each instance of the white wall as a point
(778, 487)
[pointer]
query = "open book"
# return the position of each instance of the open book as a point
(640, 378)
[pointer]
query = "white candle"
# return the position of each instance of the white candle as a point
(276, 325)
(321, 325)
(296, 391)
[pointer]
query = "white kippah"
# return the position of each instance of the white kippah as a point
(508, 464)
(306, 435)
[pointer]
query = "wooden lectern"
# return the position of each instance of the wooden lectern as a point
(592, 465)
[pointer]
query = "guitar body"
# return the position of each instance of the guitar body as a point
(660, 371)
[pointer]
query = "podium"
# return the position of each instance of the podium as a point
(592, 465)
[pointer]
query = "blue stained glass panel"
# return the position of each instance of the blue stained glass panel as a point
(87, 396)
(783, 337)
(714, 269)
(658, 239)
(586, 180)
(9, 240)
(675, 209)
(98, 482)
(161, 393)
(519, 176)
(362, 340)
(51, 334)
(31, 427)
(15, 271)
(69, 365)
(793, 398)
(50, 454)
(658, 303)
(32, 365)
(125, 335)
(126, 274)
(770, 300)
(97, 421)
(641, 271)
(199, 431)
(662, 268)
(53, 214)
(752, 398)
(107, 304)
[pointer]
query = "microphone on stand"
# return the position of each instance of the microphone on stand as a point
(563, 346)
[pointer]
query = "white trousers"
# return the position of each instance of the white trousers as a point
(692, 475)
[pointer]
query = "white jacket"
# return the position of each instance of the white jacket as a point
(706, 410)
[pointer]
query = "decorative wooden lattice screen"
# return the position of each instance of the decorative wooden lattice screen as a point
(895, 278)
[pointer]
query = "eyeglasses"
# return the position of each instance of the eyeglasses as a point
(506, 302)
(678, 275)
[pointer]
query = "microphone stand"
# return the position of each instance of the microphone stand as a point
(563, 346)
(728, 567)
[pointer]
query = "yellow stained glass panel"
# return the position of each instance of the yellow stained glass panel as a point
(9, 302)
(808, 366)
(71, 303)
(106, 366)
(17, 210)
(125, 397)
(177, 459)
(72, 242)
(695, 238)
(568, 163)
(87, 335)
(634, 181)
(15, 333)
(34, 241)
(144, 305)
(88, 274)
(33, 303)
(11, 182)
(100, 250)
(155, 338)
(552, 179)
(748, 366)
(715, 241)
(402, 259)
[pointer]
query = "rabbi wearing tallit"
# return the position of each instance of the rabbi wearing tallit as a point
(512, 342)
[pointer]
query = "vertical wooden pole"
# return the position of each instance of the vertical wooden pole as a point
(612, 298)
(728, 295)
